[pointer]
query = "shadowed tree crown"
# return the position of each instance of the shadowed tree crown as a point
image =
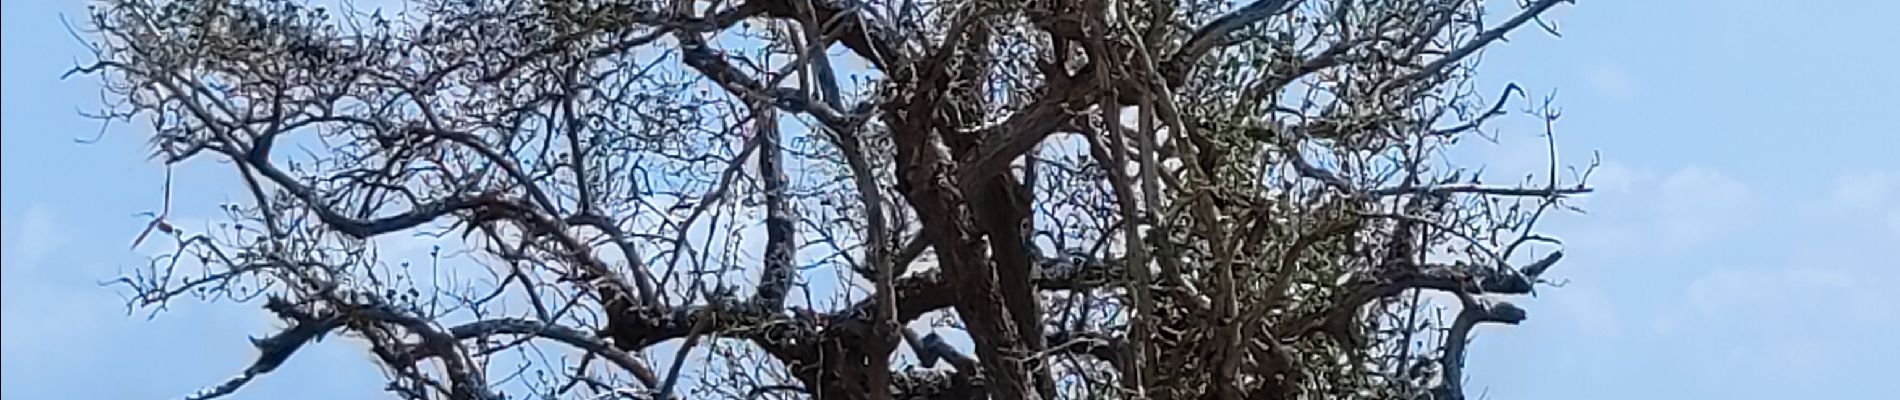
(845, 199)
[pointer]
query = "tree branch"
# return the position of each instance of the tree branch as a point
(1475, 311)
(868, 39)
(1400, 276)
(569, 336)
(275, 349)
(775, 279)
(702, 58)
(1461, 188)
(1483, 40)
(1209, 36)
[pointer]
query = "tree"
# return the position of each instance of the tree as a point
(1121, 199)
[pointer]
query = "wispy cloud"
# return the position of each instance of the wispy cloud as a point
(42, 303)
(1871, 197)
(1615, 177)
(1819, 273)
(63, 329)
(1808, 291)
(1893, 223)
(1612, 80)
(1698, 204)
(37, 237)
(1866, 190)
(1592, 310)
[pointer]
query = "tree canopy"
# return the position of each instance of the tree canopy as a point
(820, 198)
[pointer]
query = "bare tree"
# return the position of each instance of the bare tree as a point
(1114, 199)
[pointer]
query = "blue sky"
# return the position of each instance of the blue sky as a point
(1739, 245)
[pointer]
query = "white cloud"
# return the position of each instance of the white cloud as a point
(56, 326)
(1893, 224)
(1867, 197)
(1591, 310)
(1789, 295)
(1866, 191)
(1612, 80)
(1820, 271)
(1613, 177)
(1699, 204)
(1782, 362)
(37, 237)
(40, 289)
(1698, 217)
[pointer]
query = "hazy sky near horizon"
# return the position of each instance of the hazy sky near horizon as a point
(1738, 247)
